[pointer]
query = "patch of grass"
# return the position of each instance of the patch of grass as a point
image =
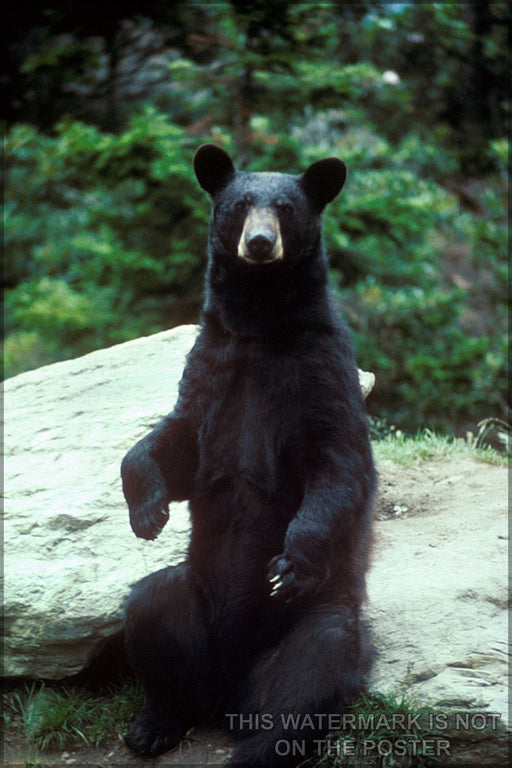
(409, 451)
(381, 730)
(58, 717)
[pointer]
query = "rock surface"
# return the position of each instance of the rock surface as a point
(437, 587)
(70, 554)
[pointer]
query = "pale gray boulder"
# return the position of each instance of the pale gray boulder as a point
(70, 554)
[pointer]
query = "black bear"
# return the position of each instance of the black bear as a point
(259, 629)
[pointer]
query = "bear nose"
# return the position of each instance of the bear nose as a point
(260, 245)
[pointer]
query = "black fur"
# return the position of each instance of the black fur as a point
(269, 442)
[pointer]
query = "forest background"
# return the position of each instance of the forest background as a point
(105, 226)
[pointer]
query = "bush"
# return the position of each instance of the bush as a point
(104, 234)
(429, 371)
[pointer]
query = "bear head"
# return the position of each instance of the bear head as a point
(266, 218)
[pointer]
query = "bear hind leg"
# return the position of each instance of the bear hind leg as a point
(317, 670)
(170, 649)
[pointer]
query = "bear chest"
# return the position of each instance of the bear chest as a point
(252, 426)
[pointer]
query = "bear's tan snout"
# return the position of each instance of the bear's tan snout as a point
(260, 241)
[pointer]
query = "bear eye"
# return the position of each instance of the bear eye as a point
(284, 207)
(241, 205)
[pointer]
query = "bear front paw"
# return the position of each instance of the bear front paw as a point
(148, 519)
(287, 581)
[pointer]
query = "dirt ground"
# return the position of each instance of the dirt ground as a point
(415, 490)
(204, 748)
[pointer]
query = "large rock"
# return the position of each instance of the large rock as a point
(70, 554)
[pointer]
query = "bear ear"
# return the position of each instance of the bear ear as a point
(213, 167)
(323, 180)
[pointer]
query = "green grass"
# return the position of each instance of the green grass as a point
(59, 717)
(410, 451)
(381, 730)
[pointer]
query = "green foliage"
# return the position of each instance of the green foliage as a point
(88, 223)
(105, 233)
(434, 372)
(54, 718)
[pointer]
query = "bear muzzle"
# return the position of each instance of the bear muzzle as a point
(260, 241)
